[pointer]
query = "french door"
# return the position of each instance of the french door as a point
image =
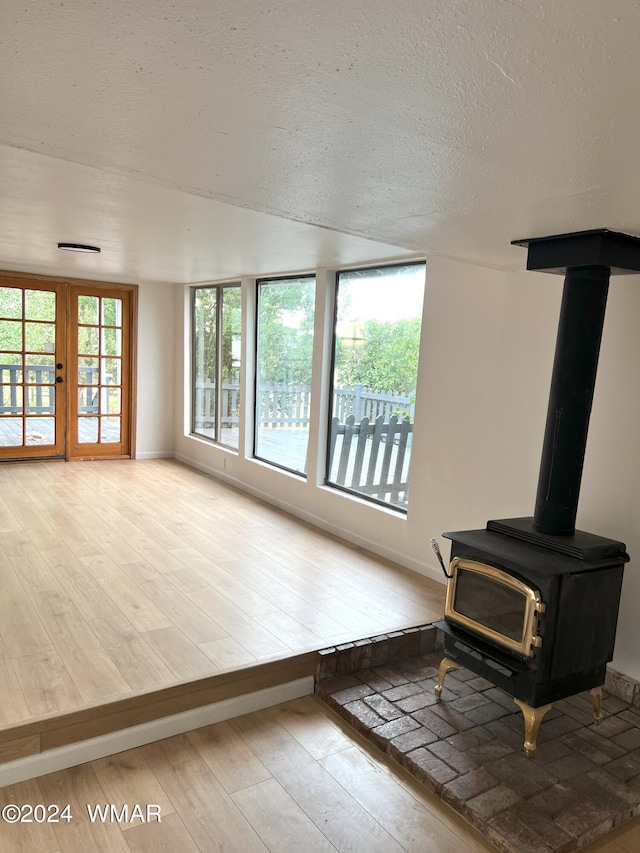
(65, 369)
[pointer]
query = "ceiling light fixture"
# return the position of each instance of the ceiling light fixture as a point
(78, 247)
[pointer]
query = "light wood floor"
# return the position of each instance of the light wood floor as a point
(289, 779)
(121, 577)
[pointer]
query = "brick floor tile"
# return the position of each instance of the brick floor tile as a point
(458, 688)
(586, 820)
(552, 728)
(401, 692)
(612, 726)
(409, 741)
(382, 707)
(472, 737)
(525, 777)
(429, 687)
(460, 722)
(482, 808)
(612, 793)
(554, 799)
(461, 675)
(363, 714)
(466, 787)
(524, 828)
(416, 702)
(513, 736)
(490, 751)
(583, 715)
(604, 744)
(626, 766)
(461, 762)
(502, 698)
(350, 694)
(432, 772)
(389, 674)
(486, 713)
(574, 743)
(631, 716)
(628, 740)
(569, 766)
(422, 673)
(479, 683)
(394, 728)
(550, 751)
(432, 721)
(468, 703)
(370, 677)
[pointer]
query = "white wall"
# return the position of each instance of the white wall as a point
(156, 371)
(486, 358)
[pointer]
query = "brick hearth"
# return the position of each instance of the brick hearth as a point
(583, 780)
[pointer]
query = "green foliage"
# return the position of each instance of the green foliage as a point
(285, 331)
(384, 357)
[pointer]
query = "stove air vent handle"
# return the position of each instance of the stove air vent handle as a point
(436, 549)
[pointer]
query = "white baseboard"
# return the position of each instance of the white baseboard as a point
(155, 454)
(88, 750)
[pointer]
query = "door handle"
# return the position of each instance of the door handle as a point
(59, 379)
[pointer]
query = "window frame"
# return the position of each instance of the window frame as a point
(332, 366)
(312, 276)
(219, 288)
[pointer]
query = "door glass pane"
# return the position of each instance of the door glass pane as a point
(113, 401)
(40, 305)
(41, 399)
(87, 340)
(112, 312)
(87, 400)
(10, 367)
(109, 430)
(11, 335)
(87, 430)
(111, 371)
(283, 371)
(87, 371)
(88, 310)
(40, 337)
(41, 369)
(112, 342)
(40, 431)
(11, 399)
(10, 302)
(10, 432)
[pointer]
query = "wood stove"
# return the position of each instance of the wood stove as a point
(532, 603)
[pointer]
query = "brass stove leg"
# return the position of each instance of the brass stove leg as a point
(446, 665)
(532, 719)
(596, 703)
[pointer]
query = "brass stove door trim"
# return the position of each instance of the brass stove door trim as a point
(533, 605)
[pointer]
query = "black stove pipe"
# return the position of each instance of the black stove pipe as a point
(575, 364)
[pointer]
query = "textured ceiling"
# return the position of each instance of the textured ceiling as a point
(166, 131)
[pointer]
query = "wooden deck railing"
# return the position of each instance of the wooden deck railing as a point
(372, 457)
(40, 384)
(288, 405)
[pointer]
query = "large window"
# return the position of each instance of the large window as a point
(375, 369)
(283, 371)
(216, 316)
